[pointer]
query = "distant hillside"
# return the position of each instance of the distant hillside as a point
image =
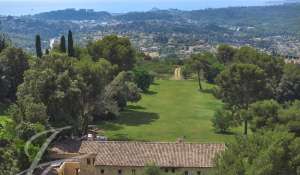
(280, 17)
(236, 25)
(150, 15)
(277, 18)
(72, 14)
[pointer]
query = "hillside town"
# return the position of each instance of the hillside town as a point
(156, 36)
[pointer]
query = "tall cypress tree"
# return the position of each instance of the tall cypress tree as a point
(4, 42)
(70, 45)
(38, 46)
(62, 45)
(47, 52)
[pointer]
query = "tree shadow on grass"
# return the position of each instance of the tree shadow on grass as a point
(207, 91)
(124, 137)
(109, 126)
(149, 92)
(120, 137)
(224, 133)
(136, 118)
(135, 107)
(211, 91)
(129, 118)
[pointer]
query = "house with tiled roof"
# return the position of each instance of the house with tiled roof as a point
(130, 158)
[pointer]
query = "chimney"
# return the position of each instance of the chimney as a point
(90, 137)
(180, 140)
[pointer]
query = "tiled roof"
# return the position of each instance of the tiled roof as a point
(66, 146)
(137, 154)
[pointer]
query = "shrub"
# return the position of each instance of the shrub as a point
(222, 120)
(143, 79)
(152, 170)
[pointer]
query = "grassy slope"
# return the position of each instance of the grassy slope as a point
(171, 109)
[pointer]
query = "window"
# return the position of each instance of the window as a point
(198, 172)
(102, 171)
(88, 161)
(173, 170)
(133, 171)
(186, 173)
(166, 170)
(120, 172)
(77, 171)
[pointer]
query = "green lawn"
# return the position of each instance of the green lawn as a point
(171, 109)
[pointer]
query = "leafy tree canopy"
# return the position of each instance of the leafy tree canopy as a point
(123, 89)
(13, 63)
(143, 79)
(272, 66)
(289, 87)
(263, 153)
(225, 53)
(222, 120)
(117, 50)
(290, 117)
(264, 114)
(242, 84)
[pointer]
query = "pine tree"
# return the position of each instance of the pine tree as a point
(70, 45)
(62, 46)
(38, 46)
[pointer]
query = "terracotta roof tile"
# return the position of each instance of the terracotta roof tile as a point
(162, 154)
(66, 146)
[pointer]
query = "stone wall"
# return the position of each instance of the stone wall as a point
(69, 168)
(90, 169)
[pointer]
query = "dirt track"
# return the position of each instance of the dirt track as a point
(177, 74)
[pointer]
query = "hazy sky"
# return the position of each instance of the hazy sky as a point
(19, 7)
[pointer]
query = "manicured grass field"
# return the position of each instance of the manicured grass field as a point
(170, 110)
